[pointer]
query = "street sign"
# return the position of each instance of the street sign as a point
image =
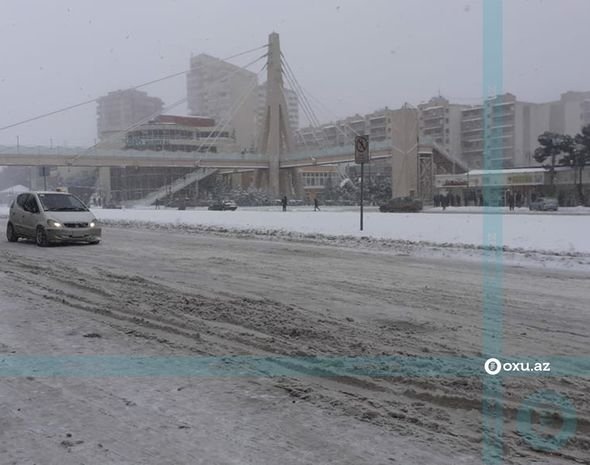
(361, 149)
(361, 156)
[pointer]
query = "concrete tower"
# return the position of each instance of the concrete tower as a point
(275, 138)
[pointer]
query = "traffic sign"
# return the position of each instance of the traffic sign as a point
(361, 149)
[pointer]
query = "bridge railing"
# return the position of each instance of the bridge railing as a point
(100, 152)
(75, 152)
(336, 150)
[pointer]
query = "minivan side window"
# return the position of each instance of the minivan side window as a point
(21, 200)
(31, 204)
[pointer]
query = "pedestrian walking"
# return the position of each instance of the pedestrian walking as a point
(316, 205)
(511, 200)
(157, 204)
(284, 202)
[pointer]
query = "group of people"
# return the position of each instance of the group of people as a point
(511, 199)
(444, 201)
(316, 204)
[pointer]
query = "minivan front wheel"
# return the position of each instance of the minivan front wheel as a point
(41, 237)
(10, 234)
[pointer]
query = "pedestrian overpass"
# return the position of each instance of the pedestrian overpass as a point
(415, 161)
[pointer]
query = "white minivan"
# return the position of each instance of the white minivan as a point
(51, 217)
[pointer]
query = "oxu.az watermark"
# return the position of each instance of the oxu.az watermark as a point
(493, 366)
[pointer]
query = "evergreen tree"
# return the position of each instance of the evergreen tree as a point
(551, 147)
(576, 155)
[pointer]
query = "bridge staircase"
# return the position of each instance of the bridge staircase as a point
(179, 184)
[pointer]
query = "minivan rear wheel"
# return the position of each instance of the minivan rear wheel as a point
(10, 234)
(41, 237)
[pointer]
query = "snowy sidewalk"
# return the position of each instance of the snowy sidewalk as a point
(551, 233)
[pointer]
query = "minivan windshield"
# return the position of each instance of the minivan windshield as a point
(61, 202)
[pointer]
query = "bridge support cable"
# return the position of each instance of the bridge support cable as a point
(305, 105)
(332, 115)
(304, 93)
(139, 86)
(308, 113)
(299, 89)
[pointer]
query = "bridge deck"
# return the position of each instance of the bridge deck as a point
(100, 157)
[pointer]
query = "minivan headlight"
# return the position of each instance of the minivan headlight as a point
(54, 224)
(92, 224)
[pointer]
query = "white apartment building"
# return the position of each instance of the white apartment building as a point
(511, 128)
(571, 112)
(378, 125)
(119, 110)
(440, 121)
(226, 93)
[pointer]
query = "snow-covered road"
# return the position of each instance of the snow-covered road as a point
(160, 293)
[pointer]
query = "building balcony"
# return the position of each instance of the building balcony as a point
(471, 130)
(426, 116)
(473, 152)
(437, 123)
(471, 118)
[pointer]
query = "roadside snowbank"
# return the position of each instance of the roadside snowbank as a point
(557, 234)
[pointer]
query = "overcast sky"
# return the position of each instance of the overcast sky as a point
(352, 55)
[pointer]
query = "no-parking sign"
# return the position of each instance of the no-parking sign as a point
(361, 149)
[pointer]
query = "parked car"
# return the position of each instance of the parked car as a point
(544, 204)
(223, 205)
(51, 217)
(402, 204)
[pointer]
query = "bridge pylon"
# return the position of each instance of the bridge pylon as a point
(276, 138)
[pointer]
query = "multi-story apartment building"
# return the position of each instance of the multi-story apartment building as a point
(341, 132)
(120, 110)
(378, 124)
(292, 107)
(309, 137)
(569, 113)
(226, 93)
(472, 133)
(353, 126)
(440, 121)
(510, 127)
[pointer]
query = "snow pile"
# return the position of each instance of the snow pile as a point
(556, 234)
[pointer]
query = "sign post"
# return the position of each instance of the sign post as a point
(43, 172)
(362, 156)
